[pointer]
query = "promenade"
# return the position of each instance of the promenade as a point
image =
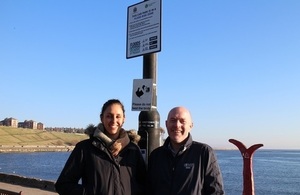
(25, 190)
(28, 186)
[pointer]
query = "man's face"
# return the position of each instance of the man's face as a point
(179, 124)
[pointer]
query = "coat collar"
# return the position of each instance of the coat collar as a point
(186, 145)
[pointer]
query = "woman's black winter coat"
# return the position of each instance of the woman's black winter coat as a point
(100, 172)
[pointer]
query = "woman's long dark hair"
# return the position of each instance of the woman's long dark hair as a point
(109, 103)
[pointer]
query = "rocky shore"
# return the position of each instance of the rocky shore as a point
(33, 148)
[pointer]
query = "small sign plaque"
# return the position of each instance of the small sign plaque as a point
(142, 94)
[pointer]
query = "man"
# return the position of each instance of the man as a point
(181, 165)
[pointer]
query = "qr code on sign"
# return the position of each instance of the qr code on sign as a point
(135, 47)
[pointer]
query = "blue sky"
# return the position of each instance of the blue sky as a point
(234, 64)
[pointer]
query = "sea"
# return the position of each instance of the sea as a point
(275, 172)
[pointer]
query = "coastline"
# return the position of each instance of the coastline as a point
(34, 148)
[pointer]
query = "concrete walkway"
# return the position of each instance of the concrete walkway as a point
(25, 190)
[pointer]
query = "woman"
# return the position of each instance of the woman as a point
(107, 163)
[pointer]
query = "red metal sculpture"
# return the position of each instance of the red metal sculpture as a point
(248, 185)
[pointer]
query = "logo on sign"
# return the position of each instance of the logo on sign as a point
(142, 90)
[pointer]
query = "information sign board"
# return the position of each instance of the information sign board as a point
(143, 28)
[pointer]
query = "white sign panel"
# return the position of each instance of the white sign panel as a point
(143, 28)
(142, 94)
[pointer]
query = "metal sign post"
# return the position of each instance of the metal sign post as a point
(149, 121)
(144, 38)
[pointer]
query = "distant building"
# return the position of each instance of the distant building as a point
(29, 124)
(40, 126)
(21, 125)
(11, 122)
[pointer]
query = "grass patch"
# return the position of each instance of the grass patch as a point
(19, 136)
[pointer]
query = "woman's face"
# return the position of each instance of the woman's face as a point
(113, 119)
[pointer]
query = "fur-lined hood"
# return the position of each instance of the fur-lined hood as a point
(115, 146)
(132, 134)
